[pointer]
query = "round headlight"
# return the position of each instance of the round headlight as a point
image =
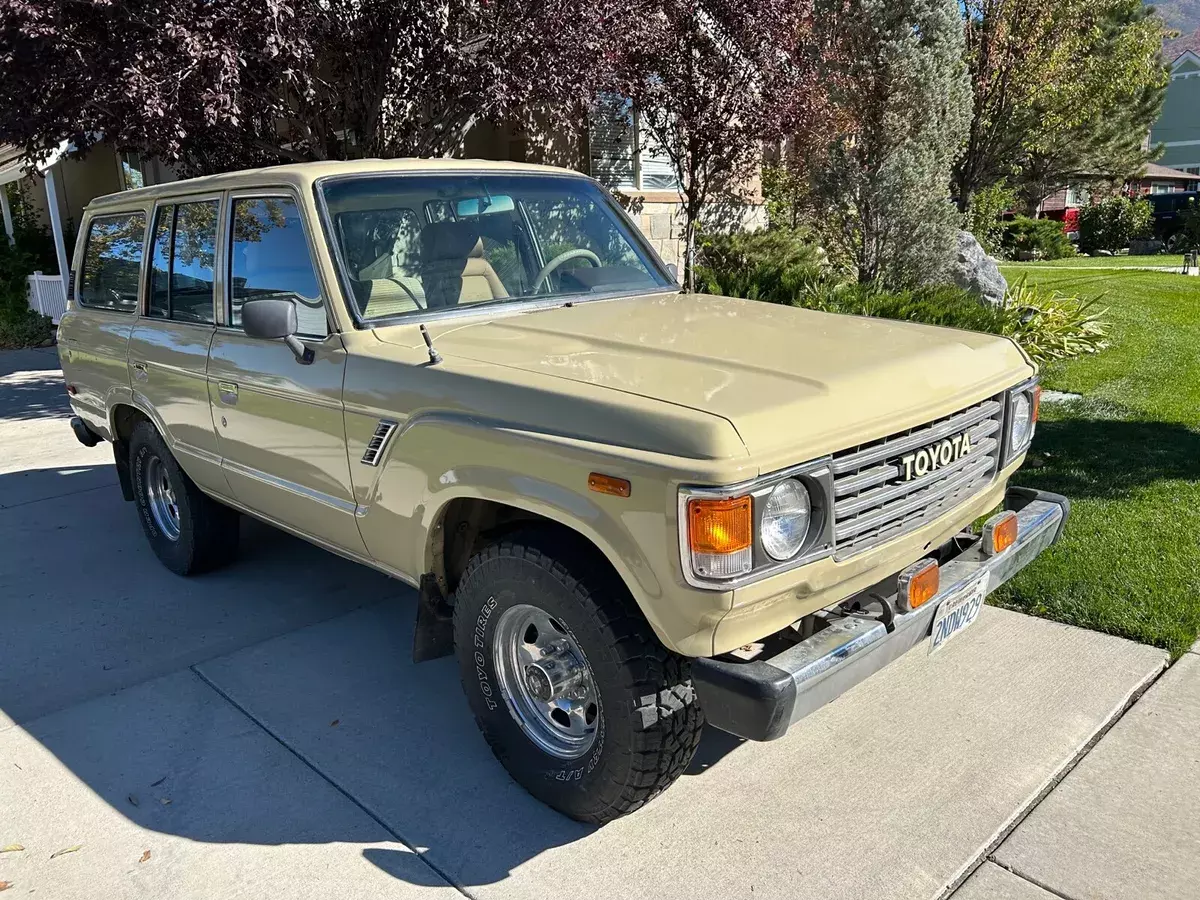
(1021, 429)
(786, 518)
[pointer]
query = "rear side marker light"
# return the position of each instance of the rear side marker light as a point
(918, 584)
(999, 533)
(720, 537)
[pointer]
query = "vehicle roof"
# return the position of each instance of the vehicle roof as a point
(302, 175)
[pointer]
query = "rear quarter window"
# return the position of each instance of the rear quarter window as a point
(112, 262)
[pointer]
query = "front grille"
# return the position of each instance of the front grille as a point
(873, 505)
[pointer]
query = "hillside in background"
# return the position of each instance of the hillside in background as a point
(1184, 17)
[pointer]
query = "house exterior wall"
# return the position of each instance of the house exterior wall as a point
(80, 181)
(1179, 125)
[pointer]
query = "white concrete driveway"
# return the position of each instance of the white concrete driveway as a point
(261, 732)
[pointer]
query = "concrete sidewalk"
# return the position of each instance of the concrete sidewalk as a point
(1126, 821)
(260, 731)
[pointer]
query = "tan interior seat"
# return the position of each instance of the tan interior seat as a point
(453, 270)
(479, 279)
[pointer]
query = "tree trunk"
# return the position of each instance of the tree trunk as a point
(689, 253)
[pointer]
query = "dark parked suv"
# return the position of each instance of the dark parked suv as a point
(1169, 212)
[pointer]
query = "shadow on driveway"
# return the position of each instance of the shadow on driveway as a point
(122, 671)
(31, 386)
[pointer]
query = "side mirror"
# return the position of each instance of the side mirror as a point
(272, 319)
(673, 270)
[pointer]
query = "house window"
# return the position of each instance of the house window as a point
(132, 171)
(624, 155)
(1160, 189)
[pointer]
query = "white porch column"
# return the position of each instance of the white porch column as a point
(60, 248)
(7, 211)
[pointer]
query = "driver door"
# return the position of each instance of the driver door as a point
(279, 422)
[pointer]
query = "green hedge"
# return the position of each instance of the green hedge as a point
(19, 325)
(779, 269)
(1039, 238)
(1111, 224)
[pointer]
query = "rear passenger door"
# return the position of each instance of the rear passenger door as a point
(168, 350)
(279, 422)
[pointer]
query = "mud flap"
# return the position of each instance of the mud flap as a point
(433, 636)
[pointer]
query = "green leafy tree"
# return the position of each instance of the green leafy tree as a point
(712, 80)
(1064, 91)
(884, 185)
(985, 216)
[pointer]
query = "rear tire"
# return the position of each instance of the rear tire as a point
(633, 695)
(188, 530)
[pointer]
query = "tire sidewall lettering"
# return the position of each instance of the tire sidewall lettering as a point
(482, 674)
(139, 482)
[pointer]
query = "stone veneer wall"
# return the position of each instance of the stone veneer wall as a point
(662, 225)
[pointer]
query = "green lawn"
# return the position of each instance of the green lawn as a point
(1128, 456)
(1101, 262)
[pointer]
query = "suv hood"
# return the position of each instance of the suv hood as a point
(792, 382)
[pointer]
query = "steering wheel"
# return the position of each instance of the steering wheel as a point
(549, 268)
(411, 293)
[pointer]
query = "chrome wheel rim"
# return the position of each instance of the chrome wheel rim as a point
(546, 682)
(161, 497)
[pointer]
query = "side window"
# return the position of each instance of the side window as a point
(181, 269)
(112, 262)
(269, 257)
(160, 262)
(193, 256)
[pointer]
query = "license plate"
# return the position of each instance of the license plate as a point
(958, 613)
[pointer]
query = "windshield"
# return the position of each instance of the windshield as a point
(409, 243)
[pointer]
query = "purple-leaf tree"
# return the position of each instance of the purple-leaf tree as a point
(230, 83)
(712, 81)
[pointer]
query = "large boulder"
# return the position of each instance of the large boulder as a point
(973, 270)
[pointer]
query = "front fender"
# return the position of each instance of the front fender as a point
(437, 459)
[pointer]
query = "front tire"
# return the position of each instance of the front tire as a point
(188, 530)
(572, 690)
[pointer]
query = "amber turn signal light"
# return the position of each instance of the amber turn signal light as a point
(719, 526)
(720, 537)
(608, 484)
(918, 584)
(999, 533)
(1037, 402)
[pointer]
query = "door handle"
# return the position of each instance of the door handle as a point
(139, 371)
(228, 392)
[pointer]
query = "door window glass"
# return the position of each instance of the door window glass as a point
(193, 254)
(112, 262)
(270, 259)
(182, 262)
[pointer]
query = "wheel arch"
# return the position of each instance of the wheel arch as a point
(122, 419)
(466, 523)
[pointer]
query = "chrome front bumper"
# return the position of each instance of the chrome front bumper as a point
(759, 700)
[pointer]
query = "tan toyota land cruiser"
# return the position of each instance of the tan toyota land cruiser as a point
(627, 510)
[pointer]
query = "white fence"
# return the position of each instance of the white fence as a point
(47, 295)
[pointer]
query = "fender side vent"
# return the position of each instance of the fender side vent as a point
(379, 441)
